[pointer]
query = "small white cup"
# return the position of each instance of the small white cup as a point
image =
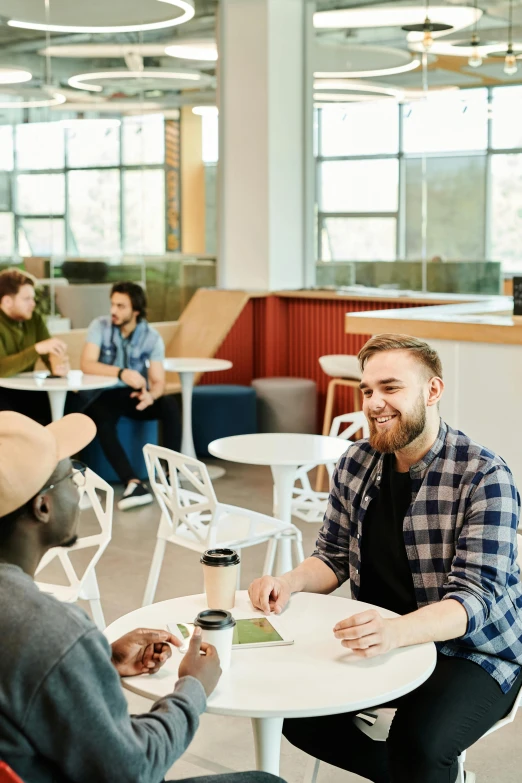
(217, 628)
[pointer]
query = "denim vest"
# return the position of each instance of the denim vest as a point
(137, 350)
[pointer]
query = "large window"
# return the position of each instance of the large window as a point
(369, 178)
(87, 189)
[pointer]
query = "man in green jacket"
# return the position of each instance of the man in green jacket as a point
(23, 338)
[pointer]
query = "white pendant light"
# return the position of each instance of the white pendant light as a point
(14, 75)
(510, 63)
(475, 60)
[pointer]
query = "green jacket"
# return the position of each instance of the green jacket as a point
(17, 341)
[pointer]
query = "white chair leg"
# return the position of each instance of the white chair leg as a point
(312, 770)
(155, 568)
(268, 565)
(97, 613)
(461, 777)
(91, 592)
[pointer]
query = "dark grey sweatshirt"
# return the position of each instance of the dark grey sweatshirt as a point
(63, 714)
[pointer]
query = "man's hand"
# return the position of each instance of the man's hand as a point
(145, 399)
(205, 668)
(142, 651)
(368, 634)
(52, 346)
(134, 379)
(269, 594)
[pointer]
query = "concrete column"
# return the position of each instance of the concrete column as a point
(265, 188)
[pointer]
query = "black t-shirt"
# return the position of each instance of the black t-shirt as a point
(386, 578)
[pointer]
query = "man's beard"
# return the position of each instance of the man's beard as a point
(404, 432)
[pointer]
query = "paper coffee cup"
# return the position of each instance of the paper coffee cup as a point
(220, 572)
(217, 628)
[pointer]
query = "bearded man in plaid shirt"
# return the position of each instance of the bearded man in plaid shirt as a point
(423, 521)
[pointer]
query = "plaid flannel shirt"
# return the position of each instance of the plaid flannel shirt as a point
(460, 534)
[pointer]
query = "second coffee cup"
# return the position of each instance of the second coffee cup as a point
(220, 572)
(217, 628)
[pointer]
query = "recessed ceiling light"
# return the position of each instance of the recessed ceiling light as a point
(196, 50)
(14, 75)
(80, 82)
(186, 6)
(55, 100)
(206, 111)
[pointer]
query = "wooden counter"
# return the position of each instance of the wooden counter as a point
(483, 320)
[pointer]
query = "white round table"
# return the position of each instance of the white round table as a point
(283, 453)
(314, 676)
(186, 369)
(57, 388)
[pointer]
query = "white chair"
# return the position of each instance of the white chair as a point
(375, 723)
(344, 370)
(194, 519)
(308, 504)
(85, 586)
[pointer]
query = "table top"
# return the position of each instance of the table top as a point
(312, 677)
(186, 364)
(279, 448)
(40, 381)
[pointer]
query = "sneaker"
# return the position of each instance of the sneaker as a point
(135, 495)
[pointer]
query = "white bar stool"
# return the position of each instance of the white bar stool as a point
(344, 371)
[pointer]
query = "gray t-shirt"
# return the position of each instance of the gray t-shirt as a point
(63, 714)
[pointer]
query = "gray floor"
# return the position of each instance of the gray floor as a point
(225, 744)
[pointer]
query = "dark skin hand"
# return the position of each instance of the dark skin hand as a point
(143, 651)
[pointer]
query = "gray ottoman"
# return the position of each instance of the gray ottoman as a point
(286, 405)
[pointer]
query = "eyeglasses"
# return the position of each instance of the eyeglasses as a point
(77, 474)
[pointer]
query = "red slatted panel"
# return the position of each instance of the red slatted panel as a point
(279, 336)
(237, 347)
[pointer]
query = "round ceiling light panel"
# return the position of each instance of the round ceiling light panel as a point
(351, 61)
(26, 98)
(14, 75)
(202, 50)
(96, 16)
(148, 79)
(393, 15)
(348, 90)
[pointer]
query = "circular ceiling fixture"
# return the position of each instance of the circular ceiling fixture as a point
(466, 49)
(193, 50)
(392, 15)
(355, 61)
(14, 75)
(118, 16)
(349, 91)
(30, 99)
(148, 79)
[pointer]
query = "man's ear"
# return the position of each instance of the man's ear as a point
(42, 508)
(435, 390)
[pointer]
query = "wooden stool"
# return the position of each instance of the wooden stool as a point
(344, 371)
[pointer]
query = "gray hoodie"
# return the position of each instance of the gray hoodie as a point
(63, 714)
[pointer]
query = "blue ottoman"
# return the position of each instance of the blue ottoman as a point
(133, 435)
(221, 410)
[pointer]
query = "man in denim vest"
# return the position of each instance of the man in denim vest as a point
(125, 346)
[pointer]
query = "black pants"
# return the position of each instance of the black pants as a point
(34, 404)
(109, 406)
(432, 726)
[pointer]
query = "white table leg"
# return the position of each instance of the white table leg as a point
(267, 741)
(284, 478)
(187, 441)
(57, 402)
